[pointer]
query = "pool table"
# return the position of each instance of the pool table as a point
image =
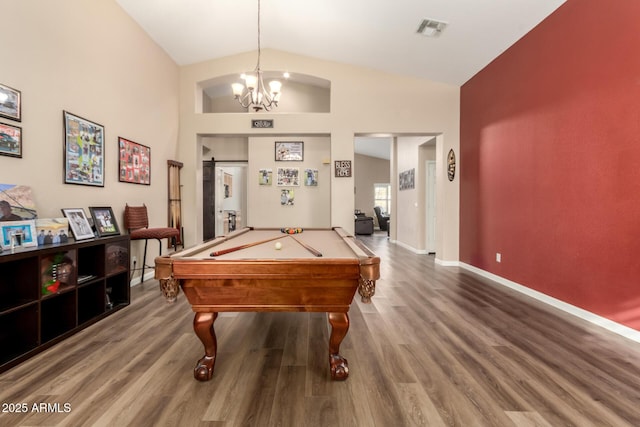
(314, 270)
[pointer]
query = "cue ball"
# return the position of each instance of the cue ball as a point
(278, 245)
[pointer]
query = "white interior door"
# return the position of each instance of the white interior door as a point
(219, 199)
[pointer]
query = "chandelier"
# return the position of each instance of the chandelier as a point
(253, 93)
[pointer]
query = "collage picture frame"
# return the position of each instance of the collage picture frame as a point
(134, 162)
(83, 151)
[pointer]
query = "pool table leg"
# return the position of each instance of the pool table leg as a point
(203, 326)
(339, 327)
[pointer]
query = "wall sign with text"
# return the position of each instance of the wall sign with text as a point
(343, 168)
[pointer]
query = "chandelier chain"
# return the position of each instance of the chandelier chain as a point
(259, 49)
(253, 93)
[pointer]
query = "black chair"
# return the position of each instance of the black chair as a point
(364, 224)
(383, 219)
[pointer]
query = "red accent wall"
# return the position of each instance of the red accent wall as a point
(550, 160)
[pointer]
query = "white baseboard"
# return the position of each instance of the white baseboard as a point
(136, 280)
(603, 322)
(410, 248)
(446, 263)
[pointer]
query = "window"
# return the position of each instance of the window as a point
(382, 196)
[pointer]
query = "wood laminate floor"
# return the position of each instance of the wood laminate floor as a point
(438, 346)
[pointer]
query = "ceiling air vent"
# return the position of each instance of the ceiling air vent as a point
(431, 27)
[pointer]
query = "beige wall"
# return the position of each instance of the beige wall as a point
(363, 101)
(91, 59)
(369, 171)
(312, 204)
(412, 152)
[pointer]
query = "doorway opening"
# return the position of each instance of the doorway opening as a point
(224, 197)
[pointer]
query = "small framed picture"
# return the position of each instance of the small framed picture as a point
(10, 103)
(10, 140)
(83, 151)
(311, 177)
(79, 223)
(265, 176)
(135, 162)
(18, 234)
(52, 230)
(288, 177)
(104, 221)
(289, 151)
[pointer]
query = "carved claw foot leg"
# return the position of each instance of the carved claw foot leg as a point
(339, 328)
(204, 368)
(339, 367)
(203, 326)
(170, 289)
(366, 289)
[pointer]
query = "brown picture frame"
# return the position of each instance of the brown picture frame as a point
(134, 165)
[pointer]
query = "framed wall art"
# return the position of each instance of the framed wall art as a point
(311, 177)
(265, 176)
(343, 168)
(288, 177)
(17, 203)
(10, 103)
(79, 223)
(228, 185)
(289, 151)
(287, 197)
(451, 165)
(104, 221)
(10, 140)
(135, 162)
(407, 180)
(83, 151)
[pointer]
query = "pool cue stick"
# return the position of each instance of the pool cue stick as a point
(307, 247)
(248, 245)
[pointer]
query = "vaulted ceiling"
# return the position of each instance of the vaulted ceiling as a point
(377, 34)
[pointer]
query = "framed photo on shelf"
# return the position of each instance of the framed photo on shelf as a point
(10, 140)
(18, 234)
(52, 230)
(135, 162)
(289, 151)
(104, 221)
(78, 223)
(83, 151)
(10, 103)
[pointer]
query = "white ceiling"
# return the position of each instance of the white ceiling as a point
(378, 34)
(379, 147)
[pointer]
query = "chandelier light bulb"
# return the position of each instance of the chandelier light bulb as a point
(250, 80)
(275, 86)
